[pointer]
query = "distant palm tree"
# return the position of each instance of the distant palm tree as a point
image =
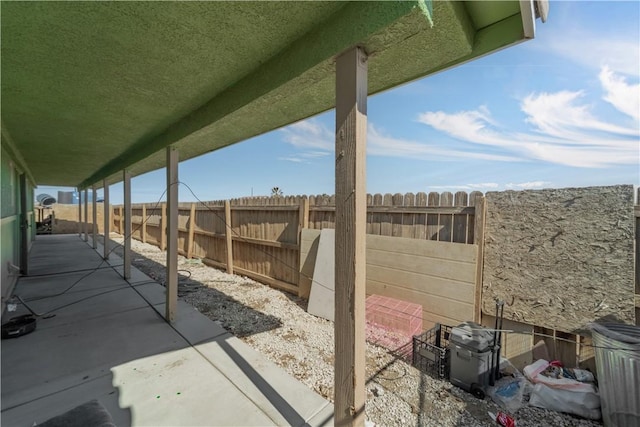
(276, 192)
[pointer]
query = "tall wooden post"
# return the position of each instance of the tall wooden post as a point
(126, 181)
(172, 234)
(228, 236)
(107, 218)
(86, 215)
(79, 212)
(95, 217)
(303, 217)
(478, 236)
(143, 226)
(351, 211)
(163, 227)
(192, 229)
(303, 222)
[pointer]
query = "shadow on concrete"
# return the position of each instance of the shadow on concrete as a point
(236, 317)
(115, 348)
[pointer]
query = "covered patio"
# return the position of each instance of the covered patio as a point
(106, 340)
(94, 93)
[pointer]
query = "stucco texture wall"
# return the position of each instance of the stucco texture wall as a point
(561, 258)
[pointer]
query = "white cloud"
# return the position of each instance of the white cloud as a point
(564, 131)
(305, 157)
(472, 187)
(622, 54)
(292, 159)
(483, 185)
(623, 96)
(379, 144)
(558, 115)
(528, 185)
(309, 134)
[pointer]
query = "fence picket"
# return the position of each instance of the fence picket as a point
(433, 226)
(445, 220)
(263, 237)
(460, 220)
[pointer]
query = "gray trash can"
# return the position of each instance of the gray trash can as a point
(617, 349)
(471, 356)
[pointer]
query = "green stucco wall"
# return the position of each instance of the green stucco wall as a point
(9, 236)
(10, 219)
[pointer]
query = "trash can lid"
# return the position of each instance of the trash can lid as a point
(472, 335)
(629, 334)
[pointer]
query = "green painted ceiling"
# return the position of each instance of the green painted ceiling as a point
(89, 88)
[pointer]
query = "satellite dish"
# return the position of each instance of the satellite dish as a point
(45, 199)
(542, 9)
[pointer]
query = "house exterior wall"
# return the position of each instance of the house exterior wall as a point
(10, 221)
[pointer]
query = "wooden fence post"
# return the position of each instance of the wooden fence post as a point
(480, 214)
(121, 219)
(163, 226)
(192, 220)
(303, 222)
(228, 236)
(143, 226)
(303, 217)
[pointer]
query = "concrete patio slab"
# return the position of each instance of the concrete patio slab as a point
(157, 389)
(282, 397)
(109, 342)
(194, 326)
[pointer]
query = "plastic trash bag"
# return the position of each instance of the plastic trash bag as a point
(562, 394)
(535, 374)
(585, 404)
(509, 393)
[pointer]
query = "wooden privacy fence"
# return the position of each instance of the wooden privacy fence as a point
(263, 237)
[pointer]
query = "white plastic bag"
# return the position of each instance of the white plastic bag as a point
(562, 394)
(585, 404)
(534, 373)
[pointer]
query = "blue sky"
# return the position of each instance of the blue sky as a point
(562, 110)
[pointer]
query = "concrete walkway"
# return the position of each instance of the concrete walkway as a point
(108, 341)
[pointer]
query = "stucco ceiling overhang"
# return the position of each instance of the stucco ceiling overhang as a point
(91, 88)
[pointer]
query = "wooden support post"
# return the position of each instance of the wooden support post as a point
(480, 214)
(107, 218)
(86, 215)
(79, 213)
(163, 227)
(228, 232)
(172, 235)
(351, 212)
(192, 220)
(143, 226)
(126, 181)
(95, 216)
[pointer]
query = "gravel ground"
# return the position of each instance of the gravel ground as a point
(276, 324)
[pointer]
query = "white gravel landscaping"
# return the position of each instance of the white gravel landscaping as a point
(276, 324)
